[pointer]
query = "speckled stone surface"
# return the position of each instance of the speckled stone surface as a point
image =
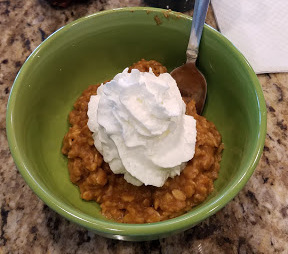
(256, 221)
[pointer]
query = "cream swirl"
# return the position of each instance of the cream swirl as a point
(139, 126)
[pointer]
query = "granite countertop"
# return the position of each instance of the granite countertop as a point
(256, 221)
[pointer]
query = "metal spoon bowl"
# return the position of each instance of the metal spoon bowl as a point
(189, 79)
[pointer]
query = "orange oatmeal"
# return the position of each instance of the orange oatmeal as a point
(124, 202)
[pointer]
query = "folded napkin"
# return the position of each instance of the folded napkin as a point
(258, 28)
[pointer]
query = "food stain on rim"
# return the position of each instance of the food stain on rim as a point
(158, 20)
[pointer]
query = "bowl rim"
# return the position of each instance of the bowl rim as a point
(110, 228)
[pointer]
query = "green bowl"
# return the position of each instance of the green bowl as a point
(95, 48)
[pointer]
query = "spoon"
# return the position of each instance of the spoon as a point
(189, 79)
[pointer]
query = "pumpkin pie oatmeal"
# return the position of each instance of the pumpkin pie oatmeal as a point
(187, 184)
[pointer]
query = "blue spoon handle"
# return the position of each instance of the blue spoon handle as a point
(199, 15)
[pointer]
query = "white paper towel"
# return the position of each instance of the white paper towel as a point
(258, 28)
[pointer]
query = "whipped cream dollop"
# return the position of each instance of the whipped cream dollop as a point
(139, 126)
